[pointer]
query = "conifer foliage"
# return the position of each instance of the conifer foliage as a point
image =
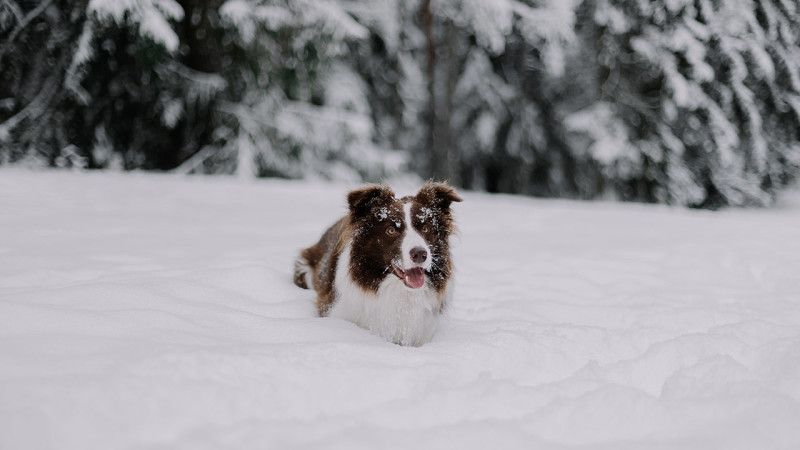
(695, 102)
(688, 102)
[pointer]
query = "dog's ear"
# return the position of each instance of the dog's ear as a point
(439, 195)
(361, 201)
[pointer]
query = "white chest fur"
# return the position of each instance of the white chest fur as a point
(397, 313)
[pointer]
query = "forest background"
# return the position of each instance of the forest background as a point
(687, 102)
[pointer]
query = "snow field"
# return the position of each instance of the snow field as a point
(147, 311)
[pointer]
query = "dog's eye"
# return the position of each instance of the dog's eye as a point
(391, 231)
(426, 229)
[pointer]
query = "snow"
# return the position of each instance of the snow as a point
(381, 15)
(152, 16)
(83, 53)
(246, 17)
(491, 21)
(609, 142)
(338, 22)
(157, 311)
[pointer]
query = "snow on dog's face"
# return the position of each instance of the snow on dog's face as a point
(406, 238)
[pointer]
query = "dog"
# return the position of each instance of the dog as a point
(386, 265)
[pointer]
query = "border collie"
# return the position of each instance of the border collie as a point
(386, 266)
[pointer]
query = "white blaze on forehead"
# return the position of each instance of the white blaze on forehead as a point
(412, 239)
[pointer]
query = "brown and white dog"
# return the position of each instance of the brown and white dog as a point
(386, 266)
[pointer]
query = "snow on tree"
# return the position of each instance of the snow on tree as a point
(103, 74)
(151, 17)
(217, 86)
(690, 102)
(705, 90)
(447, 82)
(300, 112)
(33, 37)
(499, 117)
(135, 88)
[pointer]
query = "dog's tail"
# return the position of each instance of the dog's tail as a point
(303, 272)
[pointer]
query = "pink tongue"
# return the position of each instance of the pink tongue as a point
(415, 278)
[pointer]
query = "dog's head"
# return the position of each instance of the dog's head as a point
(406, 238)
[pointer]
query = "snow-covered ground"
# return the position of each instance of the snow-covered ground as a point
(153, 311)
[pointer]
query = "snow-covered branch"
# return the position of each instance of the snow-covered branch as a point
(23, 22)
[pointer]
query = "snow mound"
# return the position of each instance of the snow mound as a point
(147, 311)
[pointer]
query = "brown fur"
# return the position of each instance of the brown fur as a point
(372, 210)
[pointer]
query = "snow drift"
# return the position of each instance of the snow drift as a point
(144, 311)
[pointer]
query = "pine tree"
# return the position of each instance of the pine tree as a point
(295, 110)
(499, 80)
(690, 102)
(36, 46)
(104, 80)
(698, 95)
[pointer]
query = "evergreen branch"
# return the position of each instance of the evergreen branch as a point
(35, 12)
(246, 121)
(72, 81)
(32, 110)
(14, 8)
(196, 160)
(238, 112)
(211, 81)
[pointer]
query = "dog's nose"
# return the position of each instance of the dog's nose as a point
(418, 255)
